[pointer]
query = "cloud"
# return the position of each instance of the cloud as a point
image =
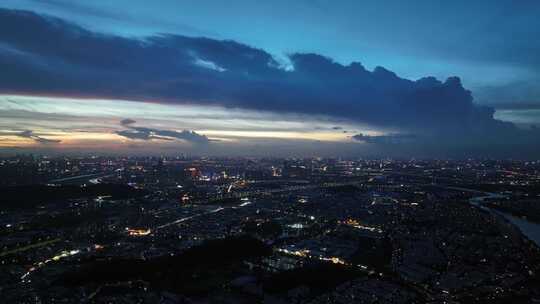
(50, 56)
(127, 122)
(141, 133)
(385, 139)
(30, 134)
(75, 61)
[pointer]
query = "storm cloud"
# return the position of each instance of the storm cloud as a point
(49, 56)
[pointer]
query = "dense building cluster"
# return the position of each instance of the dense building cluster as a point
(240, 230)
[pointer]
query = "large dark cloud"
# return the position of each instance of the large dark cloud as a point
(45, 55)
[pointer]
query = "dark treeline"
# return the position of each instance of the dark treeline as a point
(20, 197)
(193, 271)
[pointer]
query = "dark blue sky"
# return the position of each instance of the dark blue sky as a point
(490, 45)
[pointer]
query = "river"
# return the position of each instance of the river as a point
(530, 229)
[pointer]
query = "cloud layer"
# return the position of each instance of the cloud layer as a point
(49, 56)
(29, 134)
(142, 133)
(389, 139)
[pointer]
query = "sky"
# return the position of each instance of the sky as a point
(276, 78)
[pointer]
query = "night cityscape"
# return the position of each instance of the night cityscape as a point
(245, 230)
(269, 152)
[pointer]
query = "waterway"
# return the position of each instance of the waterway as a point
(530, 229)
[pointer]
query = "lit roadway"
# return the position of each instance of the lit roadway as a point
(253, 193)
(187, 218)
